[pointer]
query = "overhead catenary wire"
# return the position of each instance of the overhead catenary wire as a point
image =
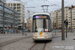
(52, 3)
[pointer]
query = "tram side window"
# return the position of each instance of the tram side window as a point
(34, 25)
(50, 28)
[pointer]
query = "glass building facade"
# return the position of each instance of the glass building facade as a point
(19, 7)
(3, 0)
(8, 16)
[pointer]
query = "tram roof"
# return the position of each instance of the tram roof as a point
(41, 13)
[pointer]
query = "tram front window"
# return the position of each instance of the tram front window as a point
(41, 25)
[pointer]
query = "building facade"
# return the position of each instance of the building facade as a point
(25, 25)
(29, 24)
(52, 14)
(8, 16)
(67, 15)
(54, 18)
(19, 7)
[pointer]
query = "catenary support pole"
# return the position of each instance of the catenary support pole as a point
(63, 35)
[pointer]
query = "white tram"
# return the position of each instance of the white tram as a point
(41, 26)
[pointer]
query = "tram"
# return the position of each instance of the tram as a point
(41, 27)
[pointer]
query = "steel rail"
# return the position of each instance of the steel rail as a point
(37, 46)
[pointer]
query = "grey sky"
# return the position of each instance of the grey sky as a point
(37, 4)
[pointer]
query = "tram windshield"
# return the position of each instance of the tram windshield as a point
(41, 25)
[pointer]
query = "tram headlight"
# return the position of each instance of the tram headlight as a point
(35, 33)
(46, 34)
(35, 37)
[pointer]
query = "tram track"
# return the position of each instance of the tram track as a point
(12, 41)
(38, 46)
(3, 38)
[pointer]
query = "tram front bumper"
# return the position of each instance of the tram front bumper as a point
(42, 38)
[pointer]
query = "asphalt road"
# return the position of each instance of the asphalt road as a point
(55, 44)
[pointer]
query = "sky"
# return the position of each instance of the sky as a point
(53, 5)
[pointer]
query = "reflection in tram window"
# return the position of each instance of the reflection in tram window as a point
(41, 25)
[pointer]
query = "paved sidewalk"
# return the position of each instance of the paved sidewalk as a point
(7, 37)
(59, 44)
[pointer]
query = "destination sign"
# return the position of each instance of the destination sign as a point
(40, 16)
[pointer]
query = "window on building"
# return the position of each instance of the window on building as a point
(8, 4)
(18, 4)
(19, 20)
(19, 23)
(1, 22)
(19, 17)
(16, 24)
(14, 7)
(73, 19)
(14, 4)
(1, 12)
(11, 4)
(1, 7)
(1, 17)
(69, 17)
(73, 12)
(18, 7)
(19, 14)
(18, 11)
